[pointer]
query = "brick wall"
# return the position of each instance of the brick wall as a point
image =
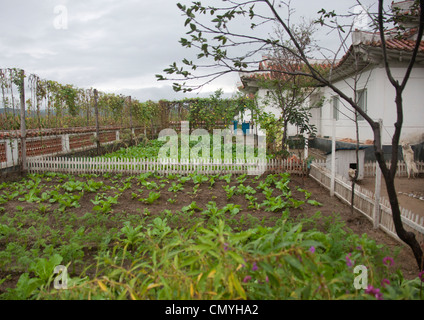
(107, 136)
(50, 144)
(3, 157)
(42, 146)
(81, 141)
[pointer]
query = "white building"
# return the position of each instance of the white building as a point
(362, 68)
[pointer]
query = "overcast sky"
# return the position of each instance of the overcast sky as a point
(115, 46)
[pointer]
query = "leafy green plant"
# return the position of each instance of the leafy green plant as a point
(133, 235)
(153, 196)
(212, 210)
(226, 178)
(44, 268)
(191, 207)
(315, 203)
(199, 178)
(306, 192)
(68, 201)
(268, 192)
(31, 196)
(150, 185)
(275, 204)
(72, 186)
(229, 191)
(43, 208)
(93, 186)
(104, 204)
(184, 179)
(195, 189)
(253, 204)
(176, 187)
(172, 200)
(242, 178)
(296, 203)
(159, 227)
(212, 181)
(242, 189)
(232, 209)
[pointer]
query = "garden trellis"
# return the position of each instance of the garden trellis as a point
(50, 104)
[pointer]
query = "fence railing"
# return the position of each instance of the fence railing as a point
(167, 166)
(364, 202)
(370, 167)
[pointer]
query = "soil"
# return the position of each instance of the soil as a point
(354, 221)
(359, 224)
(410, 192)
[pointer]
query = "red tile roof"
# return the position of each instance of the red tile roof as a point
(267, 66)
(395, 44)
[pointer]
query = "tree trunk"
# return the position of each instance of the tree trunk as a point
(389, 178)
(406, 236)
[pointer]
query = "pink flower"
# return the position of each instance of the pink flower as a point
(247, 279)
(312, 249)
(388, 261)
(349, 262)
(421, 276)
(384, 282)
(374, 292)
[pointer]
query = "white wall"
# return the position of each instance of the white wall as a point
(291, 130)
(380, 104)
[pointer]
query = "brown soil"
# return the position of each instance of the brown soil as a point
(359, 224)
(409, 192)
(331, 205)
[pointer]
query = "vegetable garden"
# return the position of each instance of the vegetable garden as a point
(184, 237)
(196, 236)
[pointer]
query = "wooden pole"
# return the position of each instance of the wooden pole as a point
(131, 124)
(23, 126)
(306, 147)
(96, 110)
(377, 191)
(333, 159)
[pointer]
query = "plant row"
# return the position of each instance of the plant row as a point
(183, 237)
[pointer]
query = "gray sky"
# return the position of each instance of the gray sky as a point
(115, 46)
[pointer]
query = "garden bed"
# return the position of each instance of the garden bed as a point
(192, 237)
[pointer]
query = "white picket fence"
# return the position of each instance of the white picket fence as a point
(364, 202)
(163, 167)
(370, 167)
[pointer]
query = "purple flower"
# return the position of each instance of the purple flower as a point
(312, 249)
(421, 276)
(247, 279)
(254, 267)
(374, 292)
(349, 262)
(384, 282)
(226, 246)
(388, 261)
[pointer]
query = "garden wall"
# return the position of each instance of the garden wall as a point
(52, 142)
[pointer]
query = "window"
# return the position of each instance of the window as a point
(336, 100)
(361, 100)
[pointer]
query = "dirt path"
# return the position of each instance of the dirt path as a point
(410, 192)
(359, 224)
